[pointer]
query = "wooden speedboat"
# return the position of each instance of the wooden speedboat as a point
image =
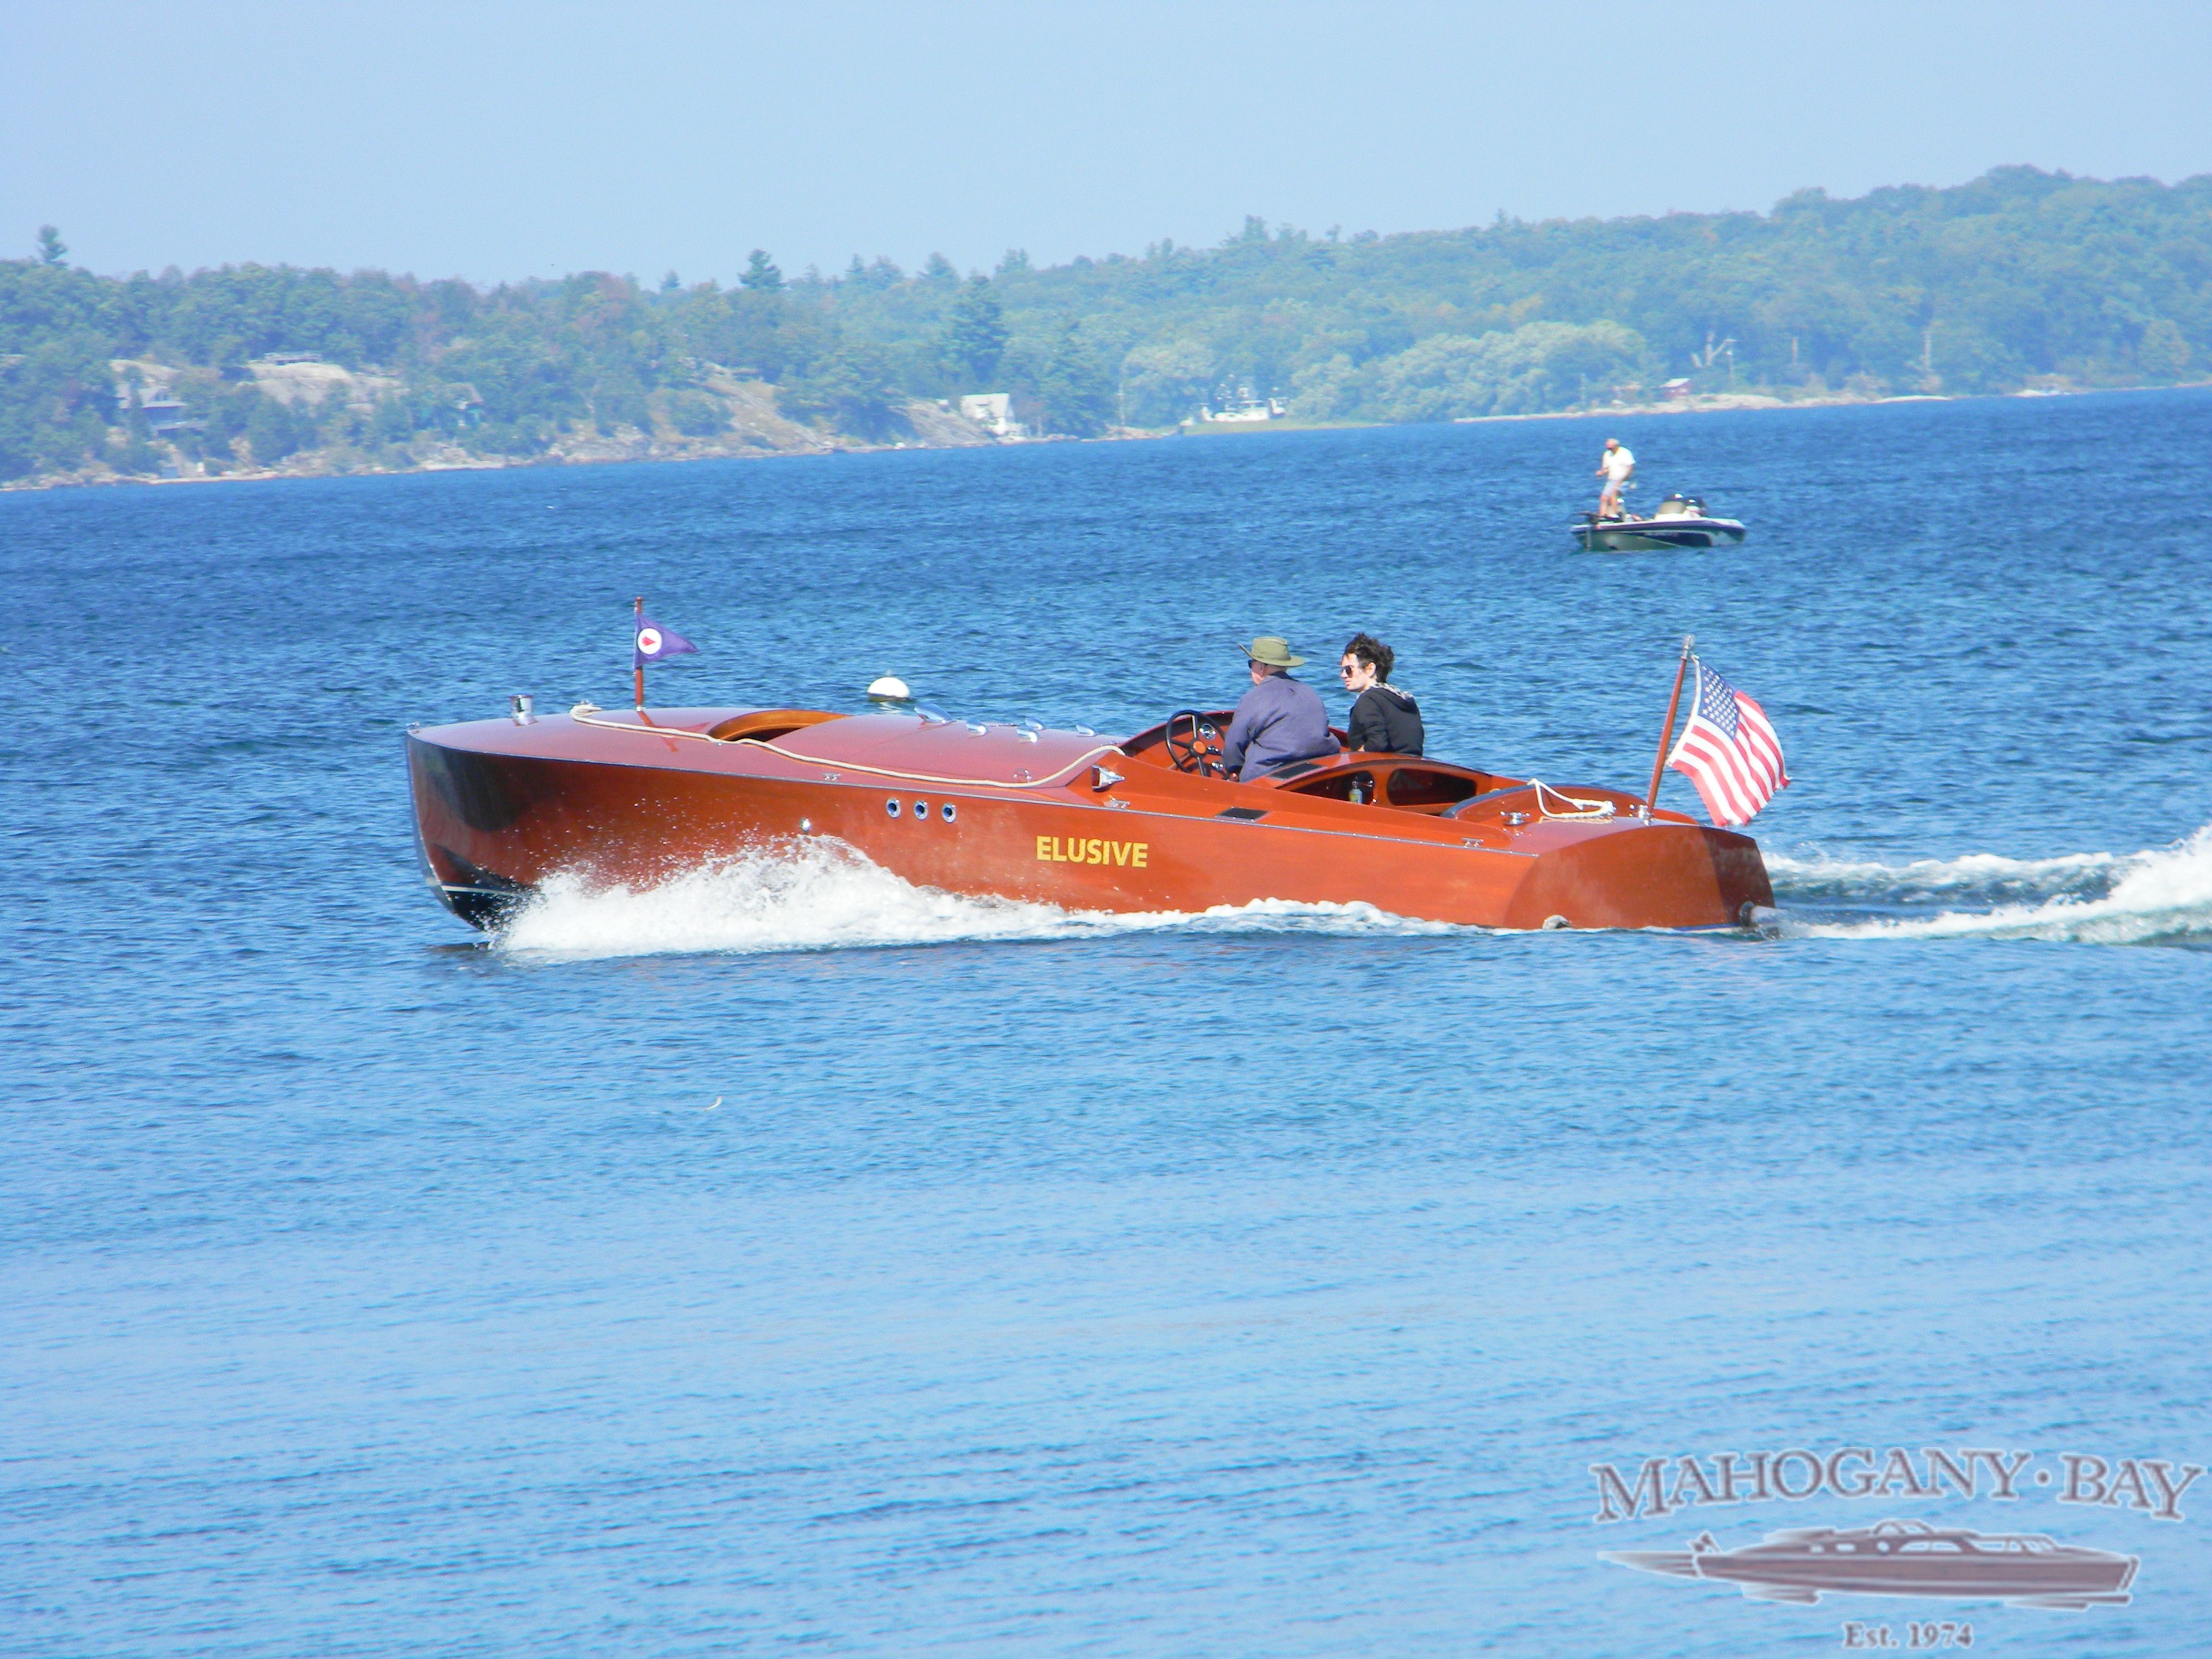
(1903, 1558)
(1063, 817)
(1678, 521)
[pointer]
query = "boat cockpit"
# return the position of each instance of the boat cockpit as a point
(766, 725)
(1190, 741)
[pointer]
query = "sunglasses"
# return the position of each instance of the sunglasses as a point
(1348, 671)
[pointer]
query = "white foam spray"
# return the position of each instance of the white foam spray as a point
(822, 894)
(2160, 895)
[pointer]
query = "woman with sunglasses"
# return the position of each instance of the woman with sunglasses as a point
(1384, 720)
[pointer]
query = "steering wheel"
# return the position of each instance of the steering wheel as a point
(1200, 750)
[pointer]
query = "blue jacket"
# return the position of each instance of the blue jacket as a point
(1280, 719)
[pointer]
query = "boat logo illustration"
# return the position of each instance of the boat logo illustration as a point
(1901, 1558)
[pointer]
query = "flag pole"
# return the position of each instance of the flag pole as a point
(1659, 761)
(637, 669)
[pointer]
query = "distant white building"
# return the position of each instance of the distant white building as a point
(993, 411)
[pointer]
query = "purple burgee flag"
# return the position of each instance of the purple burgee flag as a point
(658, 644)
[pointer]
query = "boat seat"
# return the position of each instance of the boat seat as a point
(1413, 788)
(763, 724)
(1410, 783)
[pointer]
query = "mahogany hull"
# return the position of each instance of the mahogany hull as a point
(501, 807)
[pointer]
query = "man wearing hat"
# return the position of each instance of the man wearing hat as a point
(1280, 720)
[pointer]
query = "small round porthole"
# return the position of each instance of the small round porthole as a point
(891, 807)
(921, 810)
(948, 811)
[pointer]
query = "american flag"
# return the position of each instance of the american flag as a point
(1728, 750)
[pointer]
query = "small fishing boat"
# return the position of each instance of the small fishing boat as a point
(1903, 1558)
(1678, 522)
(1063, 817)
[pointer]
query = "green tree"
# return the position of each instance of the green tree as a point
(392, 423)
(1331, 390)
(2163, 351)
(272, 430)
(850, 388)
(761, 274)
(976, 334)
(1167, 382)
(57, 392)
(1076, 389)
(52, 251)
(752, 330)
(1536, 366)
(696, 414)
(873, 278)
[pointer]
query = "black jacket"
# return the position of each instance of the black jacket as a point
(1386, 721)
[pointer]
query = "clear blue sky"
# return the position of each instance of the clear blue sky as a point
(505, 140)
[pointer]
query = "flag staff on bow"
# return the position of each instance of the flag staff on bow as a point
(1659, 763)
(651, 643)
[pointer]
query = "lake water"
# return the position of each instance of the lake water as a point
(1255, 1284)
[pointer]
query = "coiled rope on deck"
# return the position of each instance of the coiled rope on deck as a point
(1580, 807)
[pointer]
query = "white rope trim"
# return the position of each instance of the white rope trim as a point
(1581, 807)
(582, 712)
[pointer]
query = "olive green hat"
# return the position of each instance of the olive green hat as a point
(1273, 650)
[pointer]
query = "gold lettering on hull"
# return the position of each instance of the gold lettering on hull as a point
(1072, 849)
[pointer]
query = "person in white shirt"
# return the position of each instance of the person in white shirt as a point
(1615, 468)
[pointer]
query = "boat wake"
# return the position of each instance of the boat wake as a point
(823, 896)
(2162, 896)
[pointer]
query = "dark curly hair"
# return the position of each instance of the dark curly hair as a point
(1372, 651)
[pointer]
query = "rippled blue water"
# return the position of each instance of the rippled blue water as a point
(1260, 1283)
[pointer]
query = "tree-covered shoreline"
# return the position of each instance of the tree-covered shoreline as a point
(2019, 278)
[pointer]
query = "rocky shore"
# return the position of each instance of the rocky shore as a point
(754, 429)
